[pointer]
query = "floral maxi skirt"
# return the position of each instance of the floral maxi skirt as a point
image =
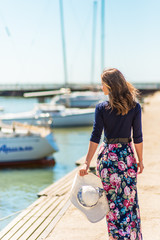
(117, 168)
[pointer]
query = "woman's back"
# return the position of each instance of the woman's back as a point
(116, 126)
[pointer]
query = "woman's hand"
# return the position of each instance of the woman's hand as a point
(84, 170)
(139, 151)
(140, 167)
(91, 151)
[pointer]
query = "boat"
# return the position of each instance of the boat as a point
(64, 96)
(67, 117)
(26, 145)
(79, 99)
(52, 116)
(60, 116)
(33, 117)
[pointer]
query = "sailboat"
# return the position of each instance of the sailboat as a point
(26, 145)
(79, 99)
(88, 98)
(67, 117)
(58, 115)
(33, 117)
(53, 116)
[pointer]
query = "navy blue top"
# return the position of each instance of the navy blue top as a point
(116, 126)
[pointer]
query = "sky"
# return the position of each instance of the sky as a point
(31, 41)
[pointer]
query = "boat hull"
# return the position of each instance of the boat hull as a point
(70, 118)
(73, 120)
(31, 118)
(26, 148)
(30, 121)
(79, 104)
(40, 163)
(79, 99)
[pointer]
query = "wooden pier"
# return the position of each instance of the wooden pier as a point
(39, 219)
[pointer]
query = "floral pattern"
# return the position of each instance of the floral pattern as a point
(117, 168)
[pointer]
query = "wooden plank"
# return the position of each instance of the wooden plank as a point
(17, 225)
(41, 217)
(30, 219)
(37, 223)
(42, 227)
(55, 189)
(16, 220)
(54, 221)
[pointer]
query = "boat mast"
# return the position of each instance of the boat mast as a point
(102, 34)
(63, 43)
(93, 40)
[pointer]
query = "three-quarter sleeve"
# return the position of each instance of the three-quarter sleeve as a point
(137, 125)
(97, 126)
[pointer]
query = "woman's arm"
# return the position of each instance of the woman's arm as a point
(139, 151)
(138, 136)
(91, 151)
(94, 139)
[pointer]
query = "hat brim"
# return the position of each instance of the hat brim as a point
(97, 212)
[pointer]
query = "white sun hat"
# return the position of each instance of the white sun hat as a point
(88, 196)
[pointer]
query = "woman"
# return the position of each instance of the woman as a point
(116, 163)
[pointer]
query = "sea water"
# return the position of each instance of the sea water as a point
(19, 187)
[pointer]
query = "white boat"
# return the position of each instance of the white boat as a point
(53, 116)
(79, 99)
(67, 117)
(25, 144)
(33, 117)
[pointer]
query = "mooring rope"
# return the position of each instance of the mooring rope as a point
(1, 219)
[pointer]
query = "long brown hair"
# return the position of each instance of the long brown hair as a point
(122, 94)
